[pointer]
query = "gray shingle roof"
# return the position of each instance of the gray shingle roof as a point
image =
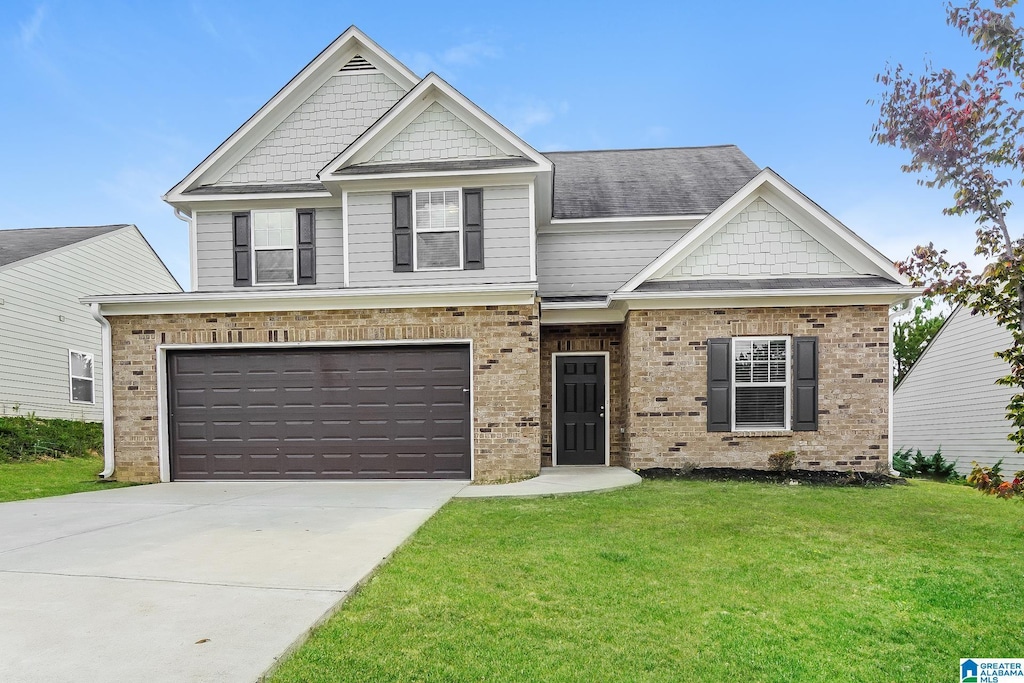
(749, 284)
(647, 182)
(257, 188)
(20, 244)
(447, 165)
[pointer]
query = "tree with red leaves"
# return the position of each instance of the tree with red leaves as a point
(965, 134)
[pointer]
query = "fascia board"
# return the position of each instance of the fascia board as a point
(315, 299)
(298, 89)
(768, 298)
(479, 177)
(549, 316)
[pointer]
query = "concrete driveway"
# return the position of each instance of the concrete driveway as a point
(188, 581)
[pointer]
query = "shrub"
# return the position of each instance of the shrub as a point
(781, 461)
(917, 464)
(989, 480)
(27, 437)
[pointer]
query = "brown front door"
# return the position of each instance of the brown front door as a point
(580, 410)
(391, 412)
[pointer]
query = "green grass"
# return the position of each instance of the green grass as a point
(27, 438)
(42, 478)
(689, 581)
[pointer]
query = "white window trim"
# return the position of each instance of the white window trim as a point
(416, 230)
(72, 377)
(787, 394)
(253, 249)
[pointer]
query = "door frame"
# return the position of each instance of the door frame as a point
(607, 405)
(163, 383)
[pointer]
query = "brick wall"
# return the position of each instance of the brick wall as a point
(506, 368)
(666, 370)
(583, 338)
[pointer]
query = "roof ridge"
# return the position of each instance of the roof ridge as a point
(70, 227)
(641, 149)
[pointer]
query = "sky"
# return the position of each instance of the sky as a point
(107, 105)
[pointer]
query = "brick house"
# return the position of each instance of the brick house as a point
(387, 282)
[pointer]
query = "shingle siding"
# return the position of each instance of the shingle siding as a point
(950, 399)
(36, 294)
(760, 241)
(436, 134)
(318, 130)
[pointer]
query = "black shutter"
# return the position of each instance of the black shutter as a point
(719, 374)
(402, 229)
(805, 384)
(473, 228)
(306, 244)
(243, 269)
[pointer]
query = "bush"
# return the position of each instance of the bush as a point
(781, 461)
(989, 480)
(918, 465)
(27, 437)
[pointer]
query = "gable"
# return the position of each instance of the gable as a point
(320, 128)
(437, 134)
(760, 241)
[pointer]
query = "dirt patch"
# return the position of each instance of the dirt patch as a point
(792, 477)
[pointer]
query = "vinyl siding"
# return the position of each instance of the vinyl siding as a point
(34, 353)
(506, 242)
(215, 250)
(592, 263)
(949, 399)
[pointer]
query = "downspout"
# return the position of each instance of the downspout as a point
(108, 393)
(192, 270)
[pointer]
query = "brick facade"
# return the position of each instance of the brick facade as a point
(597, 338)
(665, 365)
(506, 365)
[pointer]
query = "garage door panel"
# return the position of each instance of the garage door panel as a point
(393, 412)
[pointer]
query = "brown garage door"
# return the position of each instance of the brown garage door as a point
(325, 413)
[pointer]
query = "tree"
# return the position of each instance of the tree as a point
(910, 337)
(965, 134)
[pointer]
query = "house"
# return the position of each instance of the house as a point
(390, 283)
(949, 398)
(50, 358)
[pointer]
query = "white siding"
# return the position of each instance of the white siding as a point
(760, 242)
(950, 398)
(599, 262)
(437, 134)
(318, 130)
(215, 250)
(37, 293)
(506, 242)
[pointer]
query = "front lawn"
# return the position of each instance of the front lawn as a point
(41, 478)
(689, 581)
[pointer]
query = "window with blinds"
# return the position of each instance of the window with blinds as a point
(760, 383)
(437, 225)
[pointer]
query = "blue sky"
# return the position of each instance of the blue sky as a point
(106, 105)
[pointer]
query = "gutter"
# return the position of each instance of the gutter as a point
(108, 394)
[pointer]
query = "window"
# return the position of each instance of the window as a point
(437, 227)
(80, 371)
(273, 240)
(760, 383)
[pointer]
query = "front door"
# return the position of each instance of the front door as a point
(580, 402)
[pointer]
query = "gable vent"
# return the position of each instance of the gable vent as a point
(358, 63)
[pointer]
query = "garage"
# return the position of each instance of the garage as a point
(382, 412)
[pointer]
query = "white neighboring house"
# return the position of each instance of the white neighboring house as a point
(50, 354)
(949, 398)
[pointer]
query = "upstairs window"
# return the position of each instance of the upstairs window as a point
(274, 253)
(80, 371)
(437, 225)
(761, 383)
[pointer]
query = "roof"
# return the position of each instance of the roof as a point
(254, 188)
(428, 166)
(672, 181)
(20, 244)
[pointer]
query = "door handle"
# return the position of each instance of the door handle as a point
(601, 412)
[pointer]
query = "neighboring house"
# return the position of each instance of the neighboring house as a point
(949, 398)
(50, 358)
(390, 283)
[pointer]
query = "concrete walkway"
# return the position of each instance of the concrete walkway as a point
(189, 581)
(558, 480)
